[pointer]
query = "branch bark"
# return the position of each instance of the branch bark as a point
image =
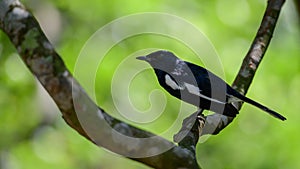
(40, 57)
(250, 64)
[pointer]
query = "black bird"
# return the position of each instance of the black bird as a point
(197, 85)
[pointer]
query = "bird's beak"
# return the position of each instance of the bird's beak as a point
(142, 58)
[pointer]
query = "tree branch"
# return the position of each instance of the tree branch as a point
(250, 64)
(215, 123)
(43, 61)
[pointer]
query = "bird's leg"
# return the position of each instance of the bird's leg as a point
(201, 121)
(190, 131)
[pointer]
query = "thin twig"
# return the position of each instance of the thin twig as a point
(251, 61)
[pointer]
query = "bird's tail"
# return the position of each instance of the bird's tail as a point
(262, 107)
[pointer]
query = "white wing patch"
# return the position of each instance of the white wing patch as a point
(172, 83)
(192, 89)
(196, 91)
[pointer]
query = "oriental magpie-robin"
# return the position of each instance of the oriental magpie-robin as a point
(197, 85)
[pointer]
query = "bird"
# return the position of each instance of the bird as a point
(197, 86)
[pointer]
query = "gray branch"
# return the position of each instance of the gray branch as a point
(44, 62)
(213, 124)
(250, 63)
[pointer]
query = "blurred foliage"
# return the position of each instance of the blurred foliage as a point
(34, 136)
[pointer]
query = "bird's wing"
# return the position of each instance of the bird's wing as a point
(209, 84)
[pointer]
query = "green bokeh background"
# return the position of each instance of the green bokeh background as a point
(33, 134)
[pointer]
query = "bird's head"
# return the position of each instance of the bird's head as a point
(163, 60)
